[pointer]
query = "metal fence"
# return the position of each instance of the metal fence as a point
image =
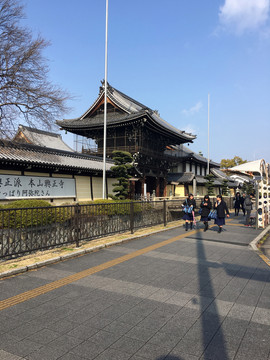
(25, 230)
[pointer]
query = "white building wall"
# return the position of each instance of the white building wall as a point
(83, 189)
(97, 187)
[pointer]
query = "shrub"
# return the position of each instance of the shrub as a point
(22, 214)
(114, 207)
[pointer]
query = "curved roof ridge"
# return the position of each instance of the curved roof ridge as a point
(43, 149)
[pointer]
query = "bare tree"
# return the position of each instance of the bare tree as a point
(24, 86)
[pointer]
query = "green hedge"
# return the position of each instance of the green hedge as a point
(22, 215)
(114, 207)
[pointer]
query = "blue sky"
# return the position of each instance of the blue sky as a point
(169, 55)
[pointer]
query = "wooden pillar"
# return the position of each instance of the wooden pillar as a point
(158, 187)
(132, 189)
(165, 187)
(142, 183)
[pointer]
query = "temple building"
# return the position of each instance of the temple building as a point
(132, 127)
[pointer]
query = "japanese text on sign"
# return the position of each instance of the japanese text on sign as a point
(12, 186)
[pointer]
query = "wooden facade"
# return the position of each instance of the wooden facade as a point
(132, 127)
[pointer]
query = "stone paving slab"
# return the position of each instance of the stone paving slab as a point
(190, 299)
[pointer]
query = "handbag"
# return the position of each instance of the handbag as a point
(187, 209)
(212, 214)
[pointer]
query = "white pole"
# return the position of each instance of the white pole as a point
(105, 105)
(208, 160)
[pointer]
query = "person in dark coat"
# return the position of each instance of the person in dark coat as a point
(191, 204)
(221, 208)
(242, 200)
(237, 203)
(206, 206)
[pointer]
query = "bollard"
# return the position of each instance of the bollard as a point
(164, 213)
(132, 217)
(77, 227)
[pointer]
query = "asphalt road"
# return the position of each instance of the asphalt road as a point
(174, 295)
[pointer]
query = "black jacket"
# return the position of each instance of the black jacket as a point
(190, 202)
(237, 202)
(206, 208)
(221, 209)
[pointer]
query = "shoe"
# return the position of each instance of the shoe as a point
(219, 230)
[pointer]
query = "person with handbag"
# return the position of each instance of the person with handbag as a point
(248, 207)
(189, 206)
(222, 211)
(205, 208)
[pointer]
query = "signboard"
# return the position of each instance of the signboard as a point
(25, 187)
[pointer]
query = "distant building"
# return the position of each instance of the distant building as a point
(28, 135)
(259, 173)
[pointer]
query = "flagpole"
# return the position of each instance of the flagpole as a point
(105, 105)
(208, 160)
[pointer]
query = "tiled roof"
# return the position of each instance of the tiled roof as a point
(42, 138)
(183, 152)
(200, 179)
(46, 157)
(132, 109)
(198, 157)
(180, 177)
(220, 174)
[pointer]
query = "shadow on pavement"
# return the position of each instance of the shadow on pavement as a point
(210, 321)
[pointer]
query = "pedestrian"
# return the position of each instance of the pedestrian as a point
(237, 203)
(242, 200)
(189, 206)
(206, 206)
(248, 207)
(221, 208)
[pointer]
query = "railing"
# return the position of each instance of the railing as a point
(27, 230)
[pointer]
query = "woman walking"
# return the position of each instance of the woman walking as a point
(206, 206)
(189, 206)
(221, 208)
(243, 197)
(237, 203)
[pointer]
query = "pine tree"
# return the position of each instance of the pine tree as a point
(210, 184)
(121, 168)
(225, 188)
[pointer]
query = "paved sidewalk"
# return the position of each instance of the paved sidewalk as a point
(174, 295)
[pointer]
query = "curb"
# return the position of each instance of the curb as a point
(253, 243)
(77, 253)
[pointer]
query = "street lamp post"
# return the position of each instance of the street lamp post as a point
(208, 160)
(105, 105)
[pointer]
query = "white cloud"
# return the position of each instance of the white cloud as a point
(193, 110)
(243, 15)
